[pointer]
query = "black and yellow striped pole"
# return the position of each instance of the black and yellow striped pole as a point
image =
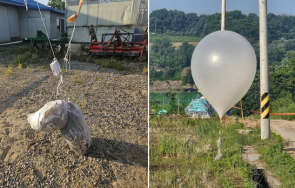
(264, 76)
(265, 106)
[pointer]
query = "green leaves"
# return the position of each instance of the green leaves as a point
(57, 4)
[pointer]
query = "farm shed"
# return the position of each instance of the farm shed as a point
(106, 16)
(16, 22)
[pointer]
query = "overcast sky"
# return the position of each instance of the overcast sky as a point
(214, 6)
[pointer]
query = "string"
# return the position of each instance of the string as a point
(67, 56)
(46, 30)
(218, 142)
(59, 83)
(26, 5)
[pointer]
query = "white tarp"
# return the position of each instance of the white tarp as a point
(105, 14)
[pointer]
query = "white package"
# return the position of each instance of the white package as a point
(55, 67)
(76, 131)
(51, 117)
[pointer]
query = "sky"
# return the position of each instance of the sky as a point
(214, 6)
(44, 2)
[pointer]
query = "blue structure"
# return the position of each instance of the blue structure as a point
(18, 23)
(31, 5)
(199, 108)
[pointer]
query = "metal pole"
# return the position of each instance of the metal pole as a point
(178, 107)
(264, 77)
(66, 17)
(156, 27)
(223, 15)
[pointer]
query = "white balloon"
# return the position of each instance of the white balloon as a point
(223, 68)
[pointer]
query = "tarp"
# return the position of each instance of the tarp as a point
(199, 108)
(31, 5)
(118, 13)
(162, 112)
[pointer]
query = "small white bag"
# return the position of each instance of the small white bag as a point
(76, 131)
(51, 117)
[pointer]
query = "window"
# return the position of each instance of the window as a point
(60, 25)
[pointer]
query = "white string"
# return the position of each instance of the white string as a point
(26, 5)
(60, 82)
(68, 56)
(45, 30)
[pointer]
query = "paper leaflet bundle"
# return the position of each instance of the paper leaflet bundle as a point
(55, 67)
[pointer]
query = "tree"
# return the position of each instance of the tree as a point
(57, 4)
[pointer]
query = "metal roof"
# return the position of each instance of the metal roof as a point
(31, 5)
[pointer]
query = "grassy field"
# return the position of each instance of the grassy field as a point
(182, 153)
(184, 97)
(154, 37)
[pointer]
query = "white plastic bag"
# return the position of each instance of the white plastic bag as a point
(76, 131)
(51, 117)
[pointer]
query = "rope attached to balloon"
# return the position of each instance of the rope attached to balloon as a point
(55, 67)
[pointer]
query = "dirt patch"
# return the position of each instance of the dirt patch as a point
(115, 107)
(177, 44)
(169, 85)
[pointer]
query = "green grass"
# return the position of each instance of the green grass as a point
(182, 153)
(109, 63)
(280, 162)
(184, 97)
(154, 37)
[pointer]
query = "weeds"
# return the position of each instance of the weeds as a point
(180, 147)
(109, 63)
(19, 66)
(145, 70)
(7, 71)
(26, 59)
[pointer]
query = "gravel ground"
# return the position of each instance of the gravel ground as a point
(115, 107)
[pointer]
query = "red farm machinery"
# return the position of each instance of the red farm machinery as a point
(119, 44)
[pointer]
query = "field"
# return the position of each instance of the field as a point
(171, 38)
(114, 104)
(182, 152)
(163, 97)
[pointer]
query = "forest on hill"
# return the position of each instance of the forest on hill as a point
(166, 63)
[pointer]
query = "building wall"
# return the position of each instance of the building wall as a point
(4, 29)
(106, 16)
(9, 24)
(30, 22)
(53, 24)
(13, 23)
(82, 31)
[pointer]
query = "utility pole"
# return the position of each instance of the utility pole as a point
(178, 107)
(223, 9)
(264, 75)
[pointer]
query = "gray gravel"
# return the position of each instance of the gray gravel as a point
(115, 107)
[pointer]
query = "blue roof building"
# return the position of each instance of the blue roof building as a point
(16, 22)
